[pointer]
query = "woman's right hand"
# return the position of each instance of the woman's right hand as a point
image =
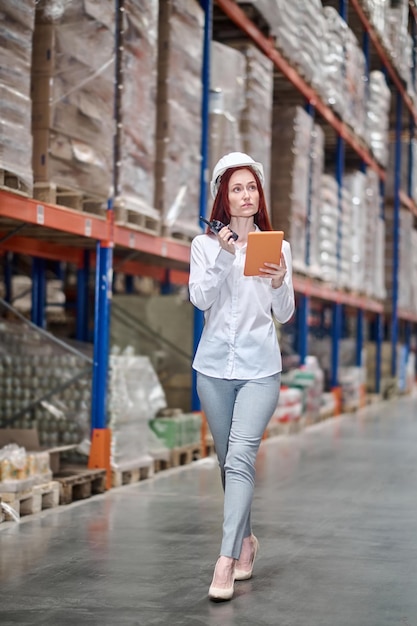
(226, 240)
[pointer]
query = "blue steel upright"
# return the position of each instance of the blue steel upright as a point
(38, 292)
(101, 334)
(207, 5)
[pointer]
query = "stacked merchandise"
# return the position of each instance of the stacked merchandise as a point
(408, 147)
(344, 70)
(16, 31)
(406, 278)
(256, 116)
(177, 431)
(375, 239)
(289, 409)
(227, 85)
(178, 159)
(328, 221)
(291, 146)
(44, 385)
(377, 116)
(299, 30)
(22, 468)
(135, 396)
(73, 95)
(137, 111)
(310, 380)
(355, 184)
(241, 104)
(390, 20)
(313, 225)
(388, 385)
(400, 41)
(351, 381)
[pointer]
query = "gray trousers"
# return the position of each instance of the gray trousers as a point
(237, 413)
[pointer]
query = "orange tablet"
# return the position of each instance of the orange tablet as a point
(263, 247)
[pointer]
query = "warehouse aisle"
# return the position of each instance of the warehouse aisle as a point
(335, 512)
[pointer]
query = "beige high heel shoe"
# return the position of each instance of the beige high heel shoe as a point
(243, 574)
(219, 594)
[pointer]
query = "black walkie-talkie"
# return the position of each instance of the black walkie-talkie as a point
(216, 226)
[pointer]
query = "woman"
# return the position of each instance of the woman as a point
(238, 360)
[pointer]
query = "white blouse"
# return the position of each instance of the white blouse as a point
(239, 339)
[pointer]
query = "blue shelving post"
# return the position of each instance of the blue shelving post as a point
(302, 315)
(8, 275)
(379, 332)
(38, 292)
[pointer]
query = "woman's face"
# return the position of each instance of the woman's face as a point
(243, 194)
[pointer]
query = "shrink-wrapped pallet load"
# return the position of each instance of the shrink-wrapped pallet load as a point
(377, 116)
(73, 98)
(178, 157)
(375, 238)
(313, 224)
(241, 97)
(405, 257)
(227, 100)
(290, 176)
(355, 183)
(134, 195)
(17, 22)
(256, 118)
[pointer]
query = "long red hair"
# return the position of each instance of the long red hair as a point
(221, 207)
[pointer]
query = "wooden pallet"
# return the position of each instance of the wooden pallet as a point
(185, 454)
(79, 483)
(159, 465)
(137, 220)
(128, 473)
(51, 193)
(12, 182)
(35, 500)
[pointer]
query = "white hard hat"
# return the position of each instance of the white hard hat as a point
(234, 159)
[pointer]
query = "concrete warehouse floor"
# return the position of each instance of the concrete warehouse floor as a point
(335, 511)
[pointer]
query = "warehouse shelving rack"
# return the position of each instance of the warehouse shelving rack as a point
(47, 231)
(307, 288)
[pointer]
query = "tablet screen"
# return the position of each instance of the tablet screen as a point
(263, 247)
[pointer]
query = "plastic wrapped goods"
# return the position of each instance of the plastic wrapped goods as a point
(137, 146)
(290, 167)
(377, 116)
(16, 32)
(135, 396)
(227, 85)
(73, 95)
(178, 157)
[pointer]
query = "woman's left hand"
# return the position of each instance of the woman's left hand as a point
(275, 272)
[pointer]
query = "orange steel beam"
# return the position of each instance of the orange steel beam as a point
(41, 249)
(158, 246)
(60, 218)
(310, 287)
(236, 14)
(396, 79)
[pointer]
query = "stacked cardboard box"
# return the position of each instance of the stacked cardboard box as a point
(73, 95)
(178, 156)
(137, 115)
(16, 31)
(406, 278)
(227, 101)
(290, 166)
(375, 239)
